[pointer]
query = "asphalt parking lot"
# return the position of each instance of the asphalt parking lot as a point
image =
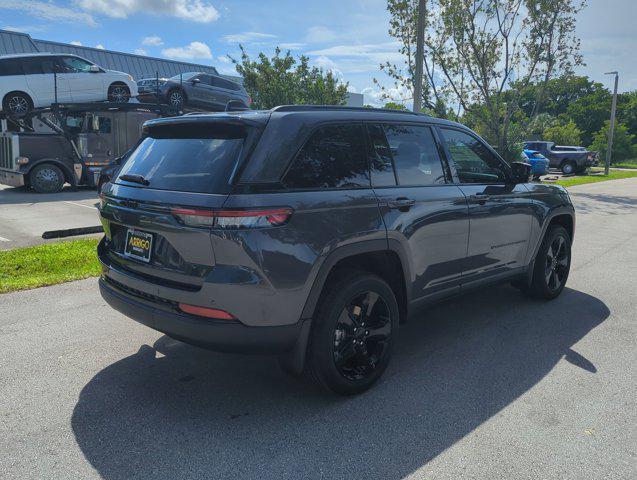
(492, 385)
(25, 215)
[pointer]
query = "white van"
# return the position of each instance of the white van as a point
(27, 81)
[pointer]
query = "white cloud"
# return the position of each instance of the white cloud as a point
(189, 52)
(76, 43)
(99, 46)
(374, 96)
(194, 10)
(292, 46)
(328, 64)
(23, 29)
(248, 37)
(319, 34)
(224, 59)
(48, 11)
(153, 41)
(140, 51)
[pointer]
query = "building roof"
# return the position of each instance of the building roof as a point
(138, 66)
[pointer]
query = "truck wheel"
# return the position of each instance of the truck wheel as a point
(46, 178)
(568, 168)
(552, 265)
(18, 104)
(118, 93)
(352, 334)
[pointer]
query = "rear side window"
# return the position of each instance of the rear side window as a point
(10, 66)
(222, 83)
(413, 152)
(38, 65)
(187, 158)
(333, 157)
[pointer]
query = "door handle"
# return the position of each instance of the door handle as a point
(479, 198)
(403, 204)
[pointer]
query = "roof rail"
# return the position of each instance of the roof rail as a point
(307, 108)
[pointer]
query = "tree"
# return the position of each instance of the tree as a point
(566, 134)
(284, 80)
(623, 147)
(479, 54)
(394, 106)
(627, 110)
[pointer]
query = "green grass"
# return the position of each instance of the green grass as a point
(582, 179)
(31, 267)
(626, 164)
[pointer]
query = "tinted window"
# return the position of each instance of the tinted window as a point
(382, 169)
(38, 65)
(475, 163)
(75, 65)
(332, 158)
(10, 66)
(415, 155)
(187, 159)
(222, 83)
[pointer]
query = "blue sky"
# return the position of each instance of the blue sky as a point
(347, 36)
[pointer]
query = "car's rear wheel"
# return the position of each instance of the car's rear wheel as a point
(17, 104)
(118, 93)
(353, 331)
(46, 178)
(552, 264)
(568, 168)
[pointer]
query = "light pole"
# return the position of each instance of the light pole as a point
(611, 130)
(420, 52)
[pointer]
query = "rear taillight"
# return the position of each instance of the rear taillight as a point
(225, 219)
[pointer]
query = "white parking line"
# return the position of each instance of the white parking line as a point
(81, 205)
(2, 239)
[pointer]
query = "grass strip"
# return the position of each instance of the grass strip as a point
(581, 180)
(31, 267)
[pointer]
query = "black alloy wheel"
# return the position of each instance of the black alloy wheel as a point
(352, 332)
(556, 264)
(361, 336)
(552, 265)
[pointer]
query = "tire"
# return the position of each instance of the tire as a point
(568, 168)
(176, 98)
(552, 265)
(350, 345)
(118, 93)
(46, 178)
(17, 104)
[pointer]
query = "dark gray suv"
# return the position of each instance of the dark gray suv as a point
(311, 232)
(202, 91)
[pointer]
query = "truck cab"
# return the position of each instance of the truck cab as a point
(69, 143)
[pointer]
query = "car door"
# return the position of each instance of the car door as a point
(424, 214)
(41, 77)
(201, 92)
(500, 212)
(223, 92)
(85, 85)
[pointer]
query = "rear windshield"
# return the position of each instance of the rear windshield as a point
(186, 159)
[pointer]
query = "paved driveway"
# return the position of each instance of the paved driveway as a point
(493, 385)
(25, 215)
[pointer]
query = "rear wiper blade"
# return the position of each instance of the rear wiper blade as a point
(132, 177)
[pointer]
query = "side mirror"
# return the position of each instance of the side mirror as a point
(195, 81)
(94, 69)
(521, 172)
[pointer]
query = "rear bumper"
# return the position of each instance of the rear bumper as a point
(11, 178)
(220, 335)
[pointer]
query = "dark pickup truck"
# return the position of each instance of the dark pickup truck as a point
(568, 159)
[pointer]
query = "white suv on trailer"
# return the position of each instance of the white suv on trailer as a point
(28, 81)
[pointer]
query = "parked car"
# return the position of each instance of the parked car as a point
(202, 91)
(311, 232)
(539, 163)
(565, 158)
(28, 81)
(81, 141)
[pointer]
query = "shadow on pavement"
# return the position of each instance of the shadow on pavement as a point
(175, 411)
